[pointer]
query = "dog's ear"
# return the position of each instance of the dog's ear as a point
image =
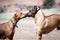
(15, 15)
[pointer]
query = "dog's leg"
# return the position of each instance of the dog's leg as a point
(40, 30)
(11, 36)
(39, 34)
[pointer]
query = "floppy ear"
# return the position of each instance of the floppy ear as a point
(15, 15)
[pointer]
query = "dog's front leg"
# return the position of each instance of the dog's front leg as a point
(39, 34)
(12, 34)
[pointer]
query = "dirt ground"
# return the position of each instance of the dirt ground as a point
(26, 31)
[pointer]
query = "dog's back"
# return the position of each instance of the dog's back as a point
(50, 23)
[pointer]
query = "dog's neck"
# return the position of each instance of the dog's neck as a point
(33, 15)
(14, 21)
(40, 12)
(14, 24)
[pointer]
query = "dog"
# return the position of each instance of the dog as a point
(7, 29)
(33, 11)
(45, 24)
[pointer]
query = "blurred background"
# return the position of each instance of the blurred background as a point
(26, 30)
(12, 6)
(9, 7)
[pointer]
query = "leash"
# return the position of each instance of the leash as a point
(14, 24)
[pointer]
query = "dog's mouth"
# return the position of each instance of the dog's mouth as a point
(27, 15)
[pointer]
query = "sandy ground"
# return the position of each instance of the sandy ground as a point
(26, 31)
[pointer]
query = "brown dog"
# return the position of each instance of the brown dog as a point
(7, 29)
(45, 24)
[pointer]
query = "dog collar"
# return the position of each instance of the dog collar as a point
(14, 24)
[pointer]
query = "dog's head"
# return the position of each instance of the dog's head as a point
(32, 12)
(19, 16)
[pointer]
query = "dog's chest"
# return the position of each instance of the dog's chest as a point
(6, 28)
(39, 20)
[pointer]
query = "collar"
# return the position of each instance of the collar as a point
(14, 24)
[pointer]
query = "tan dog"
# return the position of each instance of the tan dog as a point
(7, 29)
(45, 24)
